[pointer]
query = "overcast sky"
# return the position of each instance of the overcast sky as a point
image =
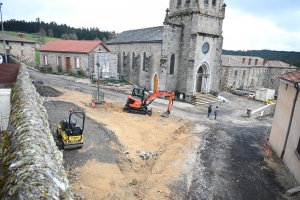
(248, 24)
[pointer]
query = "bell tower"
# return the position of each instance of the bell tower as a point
(193, 39)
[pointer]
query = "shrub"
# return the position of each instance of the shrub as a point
(81, 72)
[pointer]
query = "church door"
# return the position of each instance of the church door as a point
(68, 63)
(199, 79)
(155, 87)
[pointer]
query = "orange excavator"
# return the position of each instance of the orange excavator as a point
(137, 103)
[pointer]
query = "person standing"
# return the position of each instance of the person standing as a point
(209, 111)
(216, 112)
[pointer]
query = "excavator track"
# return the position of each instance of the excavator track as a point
(141, 111)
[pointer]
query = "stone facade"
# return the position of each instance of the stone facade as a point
(184, 55)
(21, 48)
(251, 73)
(107, 65)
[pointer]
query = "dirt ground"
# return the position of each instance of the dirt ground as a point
(185, 156)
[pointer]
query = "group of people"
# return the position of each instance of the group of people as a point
(216, 112)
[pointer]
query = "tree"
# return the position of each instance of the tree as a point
(50, 33)
(41, 35)
(73, 36)
(65, 36)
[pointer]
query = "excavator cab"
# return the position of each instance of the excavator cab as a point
(138, 92)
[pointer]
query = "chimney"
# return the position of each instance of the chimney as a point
(21, 35)
(249, 63)
(244, 59)
(265, 62)
(256, 60)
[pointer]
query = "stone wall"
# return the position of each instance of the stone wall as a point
(31, 164)
(264, 111)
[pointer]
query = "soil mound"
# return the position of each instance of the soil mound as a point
(47, 91)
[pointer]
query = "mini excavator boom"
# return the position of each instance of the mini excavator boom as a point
(136, 102)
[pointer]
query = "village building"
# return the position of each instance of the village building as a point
(19, 47)
(251, 73)
(285, 134)
(183, 55)
(91, 56)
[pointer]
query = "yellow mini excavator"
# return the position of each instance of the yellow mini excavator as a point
(72, 135)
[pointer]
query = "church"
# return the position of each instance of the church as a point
(183, 55)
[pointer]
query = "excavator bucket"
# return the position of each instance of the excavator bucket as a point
(166, 114)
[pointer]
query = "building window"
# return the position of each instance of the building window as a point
(257, 82)
(6, 42)
(235, 72)
(298, 147)
(22, 52)
(132, 61)
(214, 2)
(266, 71)
(206, 1)
(286, 86)
(77, 62)
(252, 81)
(188, 1)
(271, 81)
(253, 70)
(264, 82)
(233, 84)
(45, 60)
(179, 3)
(244, 72)
(172, 64)
(22, 43)
(259, 71)
(58, 61)
(144, 61)
(123, 59)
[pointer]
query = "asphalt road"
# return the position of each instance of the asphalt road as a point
(228, 164)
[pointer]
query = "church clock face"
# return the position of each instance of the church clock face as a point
(205, 48)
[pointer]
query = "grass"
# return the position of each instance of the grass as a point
(37, 58)
(32, 37)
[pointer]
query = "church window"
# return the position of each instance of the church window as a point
(179, 3)
(132, 61)
(172, 64)
(206, 1)
(235, 72)
(144, 61)
(123, 59)
(214, 2)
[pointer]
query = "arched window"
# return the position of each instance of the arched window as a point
(144, 61)
(123, 59)
(172, 64)
(200, 70)
(179, 3)
(132, 61)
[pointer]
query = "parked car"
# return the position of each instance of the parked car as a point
(240, 92)
(251, 96)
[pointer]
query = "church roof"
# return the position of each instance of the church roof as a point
(253, 61)
(153, 34)
(77, 46)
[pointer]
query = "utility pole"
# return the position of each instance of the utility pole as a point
(3, 38)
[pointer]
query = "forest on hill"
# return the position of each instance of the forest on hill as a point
(284, 56)
(55, 30)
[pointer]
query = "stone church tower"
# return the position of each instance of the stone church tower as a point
(183, 55)
(192, 47)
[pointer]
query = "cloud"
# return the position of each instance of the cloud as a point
(244, 32)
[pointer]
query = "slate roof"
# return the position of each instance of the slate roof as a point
(75, 46)
(237, 61)
(153, 34)
(293, 77)
(14, 39)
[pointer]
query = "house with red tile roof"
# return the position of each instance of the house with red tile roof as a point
(75, 55)
(285, 132)
(252, 73)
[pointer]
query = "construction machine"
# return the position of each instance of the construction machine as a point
(137, 102)
(72, 135)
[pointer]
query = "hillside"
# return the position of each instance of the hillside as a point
(32, 37)
(285, 56)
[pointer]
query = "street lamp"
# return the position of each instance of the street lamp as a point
(4, 44)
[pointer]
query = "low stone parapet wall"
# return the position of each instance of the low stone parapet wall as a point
(264, 111)
(31, 164)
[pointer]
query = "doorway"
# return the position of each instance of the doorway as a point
(199, 80)
(155, 86)
(68, 63)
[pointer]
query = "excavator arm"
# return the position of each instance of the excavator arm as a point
(157, 94)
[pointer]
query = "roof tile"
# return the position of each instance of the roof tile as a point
(293, 76)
